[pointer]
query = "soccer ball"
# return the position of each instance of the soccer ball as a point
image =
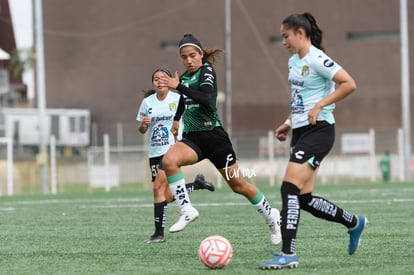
(215, 252)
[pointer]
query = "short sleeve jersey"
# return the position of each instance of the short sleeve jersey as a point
(310, 80)
(162, 114)
(198, 117)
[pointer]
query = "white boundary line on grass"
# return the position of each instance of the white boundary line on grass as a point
(147, 205)
(7, 209)
(136, 203)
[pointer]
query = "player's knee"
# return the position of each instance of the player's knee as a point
(169, 161)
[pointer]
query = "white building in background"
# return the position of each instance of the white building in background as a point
(70, 127)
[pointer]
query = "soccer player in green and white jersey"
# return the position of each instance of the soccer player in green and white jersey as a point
(155, 115)
(204, 136)
(316, 82)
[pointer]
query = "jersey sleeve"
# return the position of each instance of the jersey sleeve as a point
(207, 76)
(180, 109)
(205, 91)
(142, 111)
(325, 66)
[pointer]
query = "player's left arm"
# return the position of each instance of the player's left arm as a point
(330, 70)
(345, 85)
(203, 95)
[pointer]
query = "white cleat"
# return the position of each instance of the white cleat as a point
(274, 227)
(184, 219)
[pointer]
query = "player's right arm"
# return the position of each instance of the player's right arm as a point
(142, 117)
(282, 131)
(143, 125)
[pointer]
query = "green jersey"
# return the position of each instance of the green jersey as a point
(200, 116)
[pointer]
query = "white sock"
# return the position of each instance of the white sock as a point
(262, 206)
(177, 186)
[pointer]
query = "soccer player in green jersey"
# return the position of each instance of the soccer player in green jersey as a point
(204, 136)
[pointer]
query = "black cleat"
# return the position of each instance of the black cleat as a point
(201, 183)
(155, 239)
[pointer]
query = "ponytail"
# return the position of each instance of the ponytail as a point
(147, 93)
(315, 32)
(307, 22)
(210, 55)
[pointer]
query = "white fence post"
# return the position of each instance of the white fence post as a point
(10, 187)
(53, 164)
(106, 162)
(372, 154)
(9, 163)
(400, 139)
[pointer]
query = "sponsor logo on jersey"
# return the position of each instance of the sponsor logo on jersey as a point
(297, 82)
(160, 136)
(172, 106)
(209, 77)
(305, 70)
(161, 118)
(328, 63)
(296, 105)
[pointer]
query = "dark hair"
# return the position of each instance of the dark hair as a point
(147, 93)
(160, 70)
(308, 23)
(209, 55)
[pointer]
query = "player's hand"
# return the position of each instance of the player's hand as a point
(170, 82)
(143, 126)
(282, 131)
(313, 114)
(174, 130)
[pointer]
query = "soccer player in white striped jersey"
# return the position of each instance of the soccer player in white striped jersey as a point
(156, 115)
(317, 83)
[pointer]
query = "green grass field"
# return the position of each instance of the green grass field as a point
(103, 233)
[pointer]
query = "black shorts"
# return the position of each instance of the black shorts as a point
(155, 165)
(214, 145)
(311, 143)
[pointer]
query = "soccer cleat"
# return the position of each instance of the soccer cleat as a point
(156, 239)
(355, 234)
(274, 227)
(184, 219)
(201, 183)
(281, 261)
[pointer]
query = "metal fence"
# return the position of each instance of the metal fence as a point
(252, 148)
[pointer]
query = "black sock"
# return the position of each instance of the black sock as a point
(289, 216)
(324, 209)
(160, 215)
(191, 186)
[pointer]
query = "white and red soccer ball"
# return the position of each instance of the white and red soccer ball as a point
(215, 252)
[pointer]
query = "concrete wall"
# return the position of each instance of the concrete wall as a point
(100, 54)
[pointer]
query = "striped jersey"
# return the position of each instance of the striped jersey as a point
(161, 113)
(196, 116)
(310, 80)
